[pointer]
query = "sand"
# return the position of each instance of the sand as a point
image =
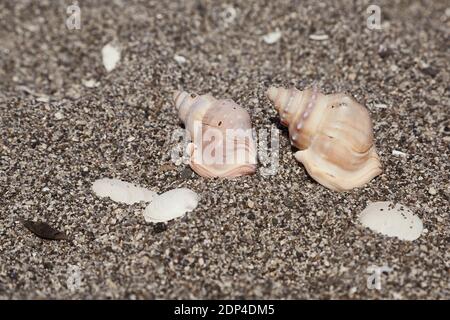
(282, 236)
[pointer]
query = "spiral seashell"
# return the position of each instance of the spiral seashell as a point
(221, 132)
(333, 133)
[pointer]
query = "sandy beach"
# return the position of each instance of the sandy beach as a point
(66, 121)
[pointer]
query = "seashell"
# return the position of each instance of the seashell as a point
(221, 132)
(333, 133)
(392, 220)
(121, 191)
(170, 205)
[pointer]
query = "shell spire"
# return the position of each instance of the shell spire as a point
(333, 133)
(221, 132)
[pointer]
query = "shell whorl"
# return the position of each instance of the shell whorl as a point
(300, 111)
(334, 135)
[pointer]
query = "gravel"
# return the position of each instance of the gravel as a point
(297, 239)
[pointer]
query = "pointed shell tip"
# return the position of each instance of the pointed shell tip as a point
(176, 96)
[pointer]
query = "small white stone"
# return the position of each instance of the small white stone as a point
(110, 56)
(59, 115)
(319, 37)
(432, 191)
(399, 153)
(180, 59)
(131, 139)
(272, 37)
(250, 203)
(380, 106)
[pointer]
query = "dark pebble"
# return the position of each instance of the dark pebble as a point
(430, 71)
(159, 227)
(186, 173)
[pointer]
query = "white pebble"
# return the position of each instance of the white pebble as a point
(170, 205)
(392, 220)
(111, 56)
(272, 37)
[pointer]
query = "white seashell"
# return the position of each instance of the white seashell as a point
(221, 132)
(392, 220)
(121, 191)
(170, 205)
(110, 56)
(333, 133)
(272, 37)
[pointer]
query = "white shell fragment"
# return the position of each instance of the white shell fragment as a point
(110, 56)
(228, 15)
(170, 205)
(121, 191)
(59, 115)
(272, 37)
(180, 59)
(381, 106)
(318, 37)
(399, 154)
(392, 220)
(91, 83)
